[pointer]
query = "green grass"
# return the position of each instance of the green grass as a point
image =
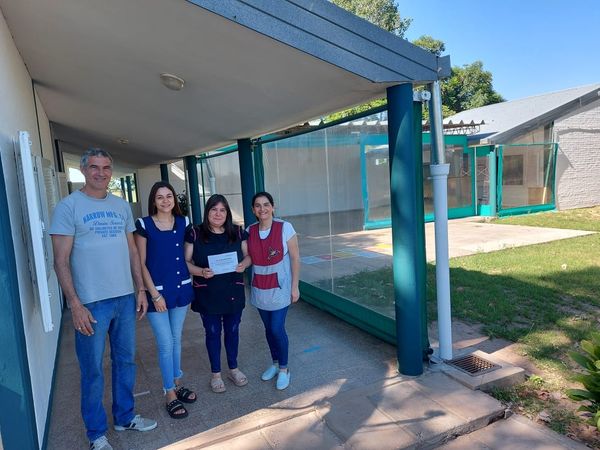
(545, 296)
(576, 219)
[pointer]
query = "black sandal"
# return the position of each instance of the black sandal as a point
(184, 394)
(174, 409)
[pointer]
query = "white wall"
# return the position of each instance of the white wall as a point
(17, 112)
(578, 162)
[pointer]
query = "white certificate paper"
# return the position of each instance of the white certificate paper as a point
(223, 262)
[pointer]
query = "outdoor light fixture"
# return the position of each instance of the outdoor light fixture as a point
(171, 81)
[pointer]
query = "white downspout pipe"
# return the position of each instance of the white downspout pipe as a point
(439, 173)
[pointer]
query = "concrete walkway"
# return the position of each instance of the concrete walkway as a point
(345, 393)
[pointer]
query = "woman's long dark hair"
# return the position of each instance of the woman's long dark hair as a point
(229, 227)
(176, 211)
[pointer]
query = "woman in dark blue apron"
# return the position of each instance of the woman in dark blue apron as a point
(160, 241)
(217, 255)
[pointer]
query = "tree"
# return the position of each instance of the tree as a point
(383, 13)
(469, 86)
(435, 46)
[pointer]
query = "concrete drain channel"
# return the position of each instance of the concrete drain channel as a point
(473, 365)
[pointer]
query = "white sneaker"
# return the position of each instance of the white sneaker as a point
(100, 444)
(138, 423)
(270, 373)
(283, 379)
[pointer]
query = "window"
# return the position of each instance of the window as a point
(512, 171)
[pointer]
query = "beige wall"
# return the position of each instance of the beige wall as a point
(17, 112)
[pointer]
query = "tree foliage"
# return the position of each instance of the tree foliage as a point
(435, 46)
(469, 86)
(383, 13)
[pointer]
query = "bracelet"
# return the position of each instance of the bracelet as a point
(157, 298)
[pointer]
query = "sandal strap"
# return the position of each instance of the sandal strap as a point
(175, 406)
(183, 393)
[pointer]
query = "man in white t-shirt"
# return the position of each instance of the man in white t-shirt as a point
(95, 258)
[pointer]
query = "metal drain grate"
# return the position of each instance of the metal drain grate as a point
(473, 365)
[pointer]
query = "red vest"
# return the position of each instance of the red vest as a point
(266, 252)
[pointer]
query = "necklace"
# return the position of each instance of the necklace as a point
(168, 222)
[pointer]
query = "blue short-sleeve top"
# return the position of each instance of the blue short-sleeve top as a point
(165, 261)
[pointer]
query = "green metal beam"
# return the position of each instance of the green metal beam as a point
(129, 191)
(164, 172)
(194, 194)
(407, 225)
(259, 167)
(421, 257)
(246, 178)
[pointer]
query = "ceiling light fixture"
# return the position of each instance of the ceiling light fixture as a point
(123, 141)
(171, 81)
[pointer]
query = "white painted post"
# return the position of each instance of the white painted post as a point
(439, 172)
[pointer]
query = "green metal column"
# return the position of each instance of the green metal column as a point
(192, 176)
(421, 261)
(164, 172)
(246, 178)
(493, 188)
(129, 192)
(407, 228)
(259, 167)
(17, 414)
(135, 187)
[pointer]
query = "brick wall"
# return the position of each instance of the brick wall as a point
(578, 162)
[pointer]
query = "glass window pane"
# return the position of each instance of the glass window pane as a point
(329, 184)
(221, 175)
(527, 175)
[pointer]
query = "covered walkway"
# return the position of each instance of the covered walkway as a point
(154, 82)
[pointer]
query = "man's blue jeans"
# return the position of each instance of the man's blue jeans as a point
(230, 323)
(115, 317)
(167, 327)
(277, 337)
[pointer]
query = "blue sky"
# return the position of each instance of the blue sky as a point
(530, 46)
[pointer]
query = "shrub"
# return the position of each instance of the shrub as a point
(590, 361)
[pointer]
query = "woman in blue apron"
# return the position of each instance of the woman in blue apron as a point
(160, 241)
(217, 256)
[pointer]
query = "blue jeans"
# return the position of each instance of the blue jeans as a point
(167, 327)
(277, 338)
(230, 323)
(115, 317)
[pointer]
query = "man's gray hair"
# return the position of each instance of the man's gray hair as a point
(93, 151)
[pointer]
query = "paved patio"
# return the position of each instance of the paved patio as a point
(347, 253)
